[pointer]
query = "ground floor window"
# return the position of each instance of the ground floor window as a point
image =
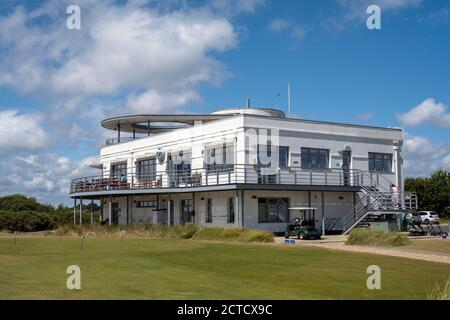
(208, 210)
(146, 204)
(273, 210)
(231, 207)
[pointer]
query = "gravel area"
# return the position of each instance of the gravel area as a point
(403, 253)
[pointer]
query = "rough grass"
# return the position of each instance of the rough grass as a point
(441, 291)
(149, 231)
(234, 234)
(367, 237)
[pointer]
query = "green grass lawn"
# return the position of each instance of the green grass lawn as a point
(435, 245)
(34, 268)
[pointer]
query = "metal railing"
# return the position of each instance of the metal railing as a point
(233, 174)
(374, 201)
(117, 140)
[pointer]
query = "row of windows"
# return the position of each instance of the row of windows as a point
(314, 159)
(146, 204)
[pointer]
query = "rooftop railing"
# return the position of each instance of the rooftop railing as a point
(134, 179)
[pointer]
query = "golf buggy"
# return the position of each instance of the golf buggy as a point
(303, 224)
(413, 225)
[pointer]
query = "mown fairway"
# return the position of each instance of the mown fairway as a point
(34, 268)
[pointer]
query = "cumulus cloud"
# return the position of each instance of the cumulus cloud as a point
(120, 49)
(46, 177)
(355, 11)
(22, 131)
(426, 112)
(422, 155)
(293, 29)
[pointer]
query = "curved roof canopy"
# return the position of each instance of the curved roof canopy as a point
(158, 123)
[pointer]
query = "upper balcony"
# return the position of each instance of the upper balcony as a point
(245, 175)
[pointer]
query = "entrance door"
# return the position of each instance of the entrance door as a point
(346, 163)
(186, 211)
(115, 213)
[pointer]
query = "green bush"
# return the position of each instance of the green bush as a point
(25, 221)
(377, 238)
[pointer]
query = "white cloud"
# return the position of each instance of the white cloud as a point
(427, 112)
(293, 29)
(46, 177)
(153, 101)
(422, 155)
(355, 11)
(22, 131)
(120, 49)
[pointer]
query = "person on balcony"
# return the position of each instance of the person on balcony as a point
(394, 196)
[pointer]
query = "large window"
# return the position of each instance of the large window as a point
(231, 204)
(273, 210)
(179, 168)
(381, 162)
(208, 210)
(219, 158)
(316, 159)
(146, 170)
(265, 151)
(119, 171)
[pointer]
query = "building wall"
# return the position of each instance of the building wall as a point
(336, 205)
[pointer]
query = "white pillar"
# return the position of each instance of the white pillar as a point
(237, 211)
(81, 210)
(74, 210)
(110, 212)
(168, 211)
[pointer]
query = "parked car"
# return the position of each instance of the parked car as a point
(429, 217)
(415, 217)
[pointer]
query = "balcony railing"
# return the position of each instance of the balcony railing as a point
(116, 140)
(234, 174)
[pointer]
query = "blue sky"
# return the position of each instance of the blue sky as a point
(197, 56)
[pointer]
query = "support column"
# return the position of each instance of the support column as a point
(193, 206)
(81, 210)
(323, 212)
(128, 209)
(237, 211)
(74, 210)
(92, 212)
(110, 211)
(242, 209)
(168, 209)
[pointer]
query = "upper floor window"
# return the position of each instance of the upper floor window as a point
(179, 167)
(219, 158)
(314, 158)
(265, 155)
(381, 162)
(119, 171)
(146, 170)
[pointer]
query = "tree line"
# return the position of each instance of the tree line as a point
(22, 213)
(433, 192)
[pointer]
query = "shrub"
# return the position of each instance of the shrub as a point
(377, 238)
(25, 221)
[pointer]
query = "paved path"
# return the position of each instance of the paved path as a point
(338, 243)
